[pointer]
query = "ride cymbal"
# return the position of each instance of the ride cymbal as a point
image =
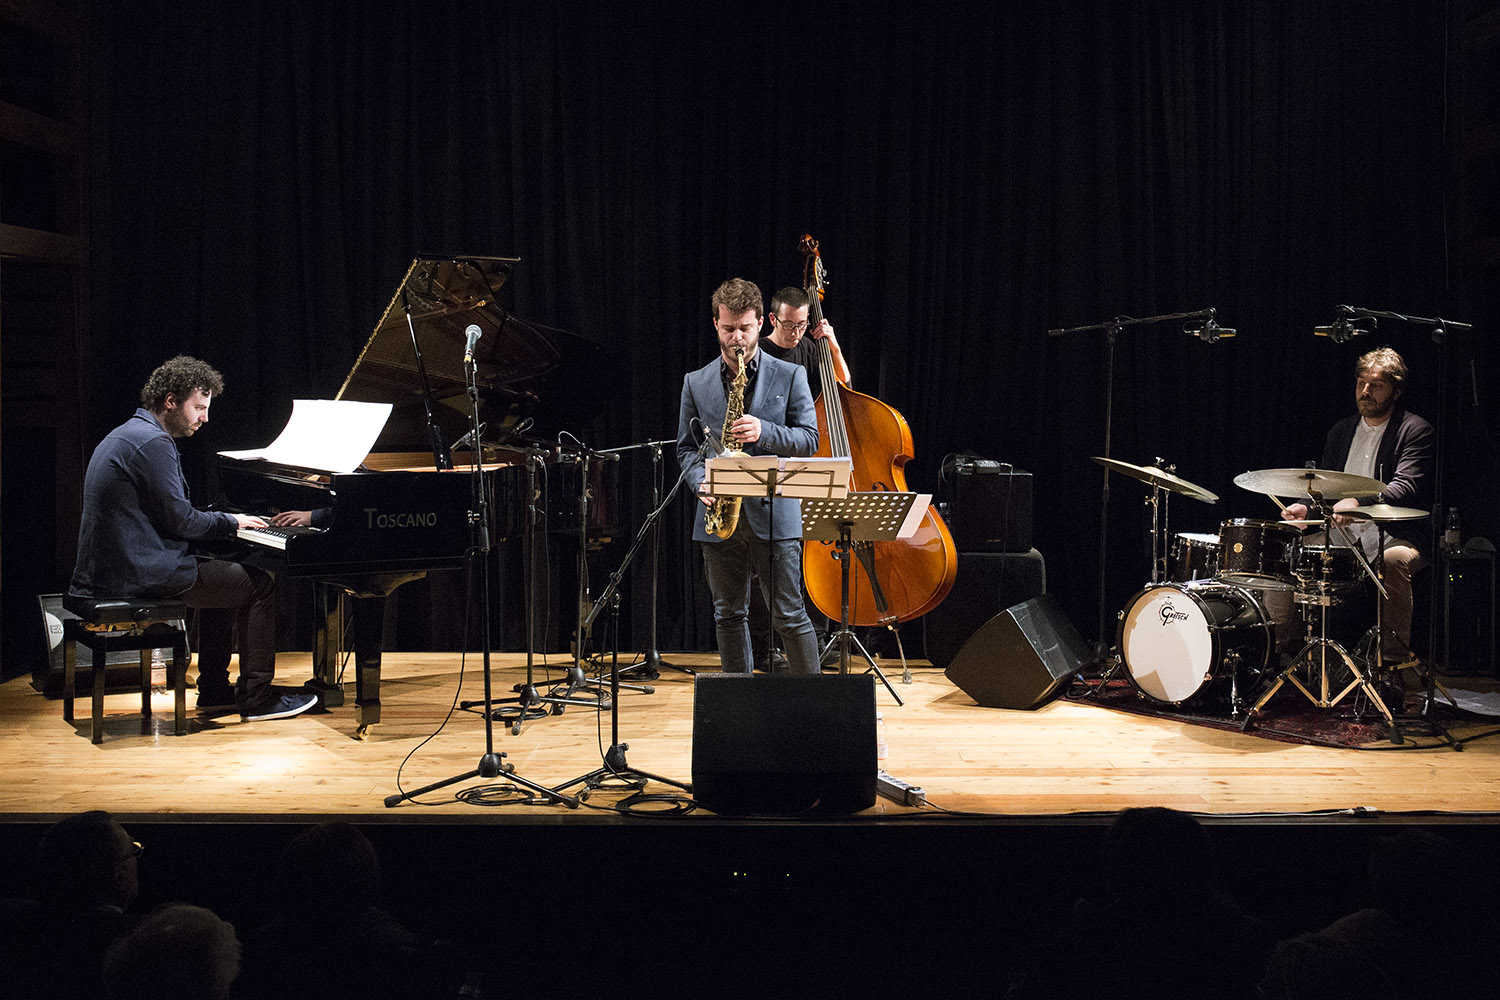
(1303, 482)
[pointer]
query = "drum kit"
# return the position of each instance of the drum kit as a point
(1211, 627)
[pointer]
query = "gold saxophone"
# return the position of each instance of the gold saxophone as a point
(724, 513)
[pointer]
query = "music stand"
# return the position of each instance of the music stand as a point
(769, 476)
(877, 516)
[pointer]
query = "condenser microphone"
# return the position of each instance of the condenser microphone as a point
(1210, 331)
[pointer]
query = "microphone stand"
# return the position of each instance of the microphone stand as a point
(441, 458)
(491, 764)
(615, 765)
(577, 678)
(1112, 331)
(651, 663)
(1440, 327)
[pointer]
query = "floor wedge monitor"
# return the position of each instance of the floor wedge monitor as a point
(1021, 658)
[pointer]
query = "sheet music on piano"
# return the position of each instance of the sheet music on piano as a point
(327, 435)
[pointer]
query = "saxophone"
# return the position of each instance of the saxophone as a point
(724, 513)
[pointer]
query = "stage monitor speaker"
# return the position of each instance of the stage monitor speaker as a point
(987, 583)
(1021, 658)
(782, 746)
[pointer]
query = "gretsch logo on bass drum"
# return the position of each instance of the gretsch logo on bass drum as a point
(1170, 614)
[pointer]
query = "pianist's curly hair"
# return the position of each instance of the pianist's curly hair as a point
(178, 377)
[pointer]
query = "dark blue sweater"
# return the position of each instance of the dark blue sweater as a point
(137, 519)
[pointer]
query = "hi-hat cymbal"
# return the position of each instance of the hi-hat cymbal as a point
(1158, 477)
(1301, 482)
(1385, 512)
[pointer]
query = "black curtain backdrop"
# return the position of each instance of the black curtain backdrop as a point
(975, 174)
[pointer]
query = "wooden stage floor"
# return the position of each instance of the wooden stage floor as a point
(1066, 761)
(580, 901)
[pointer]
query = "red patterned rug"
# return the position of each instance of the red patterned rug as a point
(1290, 717)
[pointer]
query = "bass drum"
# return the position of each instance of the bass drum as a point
(1185, 643)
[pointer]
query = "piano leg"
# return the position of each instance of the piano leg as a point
(327, 630)
(368, 625)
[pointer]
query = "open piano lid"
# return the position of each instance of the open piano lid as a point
(522, 369)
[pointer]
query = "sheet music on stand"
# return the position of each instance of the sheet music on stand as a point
(875, 516)
(766, 475)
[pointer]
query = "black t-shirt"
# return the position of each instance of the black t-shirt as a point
(804, 354)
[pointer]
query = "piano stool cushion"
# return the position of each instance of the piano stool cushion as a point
(114, 610)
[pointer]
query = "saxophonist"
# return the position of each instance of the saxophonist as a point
(775, 417)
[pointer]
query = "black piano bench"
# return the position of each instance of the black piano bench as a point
(105, 625)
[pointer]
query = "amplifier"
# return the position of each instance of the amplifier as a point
(989, 508)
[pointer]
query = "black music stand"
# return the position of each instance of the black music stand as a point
(877, 516)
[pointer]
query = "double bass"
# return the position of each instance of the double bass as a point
(892, 581)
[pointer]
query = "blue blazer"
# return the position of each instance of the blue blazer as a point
(789, 427)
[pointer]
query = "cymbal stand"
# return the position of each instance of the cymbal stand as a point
(1373, 644)
(529, 703)
(491, 764)
(616, 770)
(1315, 654)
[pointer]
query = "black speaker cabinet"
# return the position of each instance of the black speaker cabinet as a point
(781, 746)
(1021, 658)
(987, 583)
(991, 507)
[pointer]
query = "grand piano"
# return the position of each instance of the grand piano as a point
(410, 507)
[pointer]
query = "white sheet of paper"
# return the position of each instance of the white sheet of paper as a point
(914, 516)
(329, 435)
(746, 476)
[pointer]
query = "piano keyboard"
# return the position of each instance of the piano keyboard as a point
(274, 538)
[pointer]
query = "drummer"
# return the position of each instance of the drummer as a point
(1395, 446)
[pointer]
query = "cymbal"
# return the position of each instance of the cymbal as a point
(1300, 482)
(1156, 476)
(1385, 512)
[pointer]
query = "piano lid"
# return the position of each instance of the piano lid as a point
(523, 369)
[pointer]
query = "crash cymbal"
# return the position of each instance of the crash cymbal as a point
(1158, 477)
(1385, 512)
(1301, 482)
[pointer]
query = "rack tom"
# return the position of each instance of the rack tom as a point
(1195, 556)
(1254, 551)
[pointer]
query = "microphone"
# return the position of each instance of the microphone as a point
(471, 338)
(1343, 329)
(1209, 331)
(468, 438)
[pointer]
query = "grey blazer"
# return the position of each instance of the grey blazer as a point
(788, 427)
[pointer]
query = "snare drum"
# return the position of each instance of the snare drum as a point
(1257, 550)
(1194, 556)
(1325, 567)
(1181, 643)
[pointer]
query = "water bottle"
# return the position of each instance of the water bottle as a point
(881, 746)
(1452, 537)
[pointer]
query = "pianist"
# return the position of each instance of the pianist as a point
(136, 535)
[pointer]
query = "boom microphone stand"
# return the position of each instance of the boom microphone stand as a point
(615, 765)
(491, 764)
(1208, 331)
(652, 664)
